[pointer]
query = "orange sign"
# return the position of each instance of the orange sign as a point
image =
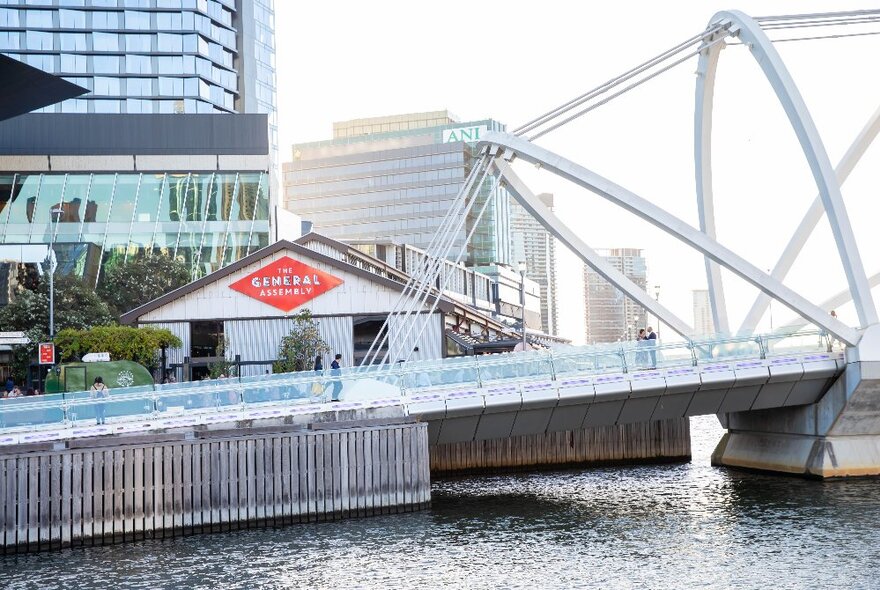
(286, 283)
(47, 353)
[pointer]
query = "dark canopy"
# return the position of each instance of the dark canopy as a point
(25, 88)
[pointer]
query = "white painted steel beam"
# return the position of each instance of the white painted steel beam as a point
(832, 303)
(849, 161)
(591, 258)
(672, 225)
(705, 95)
(751, 34)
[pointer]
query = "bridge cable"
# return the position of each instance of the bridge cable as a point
(423, 265)
(419, 303)
(427, 320)
(424, 284)
(624, 90)
(550, 115)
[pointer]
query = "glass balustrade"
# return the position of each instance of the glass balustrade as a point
(374, 381)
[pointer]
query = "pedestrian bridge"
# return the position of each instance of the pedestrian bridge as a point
(473, 398)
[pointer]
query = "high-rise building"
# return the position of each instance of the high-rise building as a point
(151, 56)
(393, 179)
(172, 151)
(533, 244)
(703, 325)
(611, 316)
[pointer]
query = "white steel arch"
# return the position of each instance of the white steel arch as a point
(749, 31)
(849, 161)
(670, 224)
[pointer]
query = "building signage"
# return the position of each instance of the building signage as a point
(47, 353)
(466, 134)
(286, 283)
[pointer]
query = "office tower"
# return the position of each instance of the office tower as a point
(702, 313)
(533, 244)
(392, 179)
(610, 316)
(151, 56)
(173, 150)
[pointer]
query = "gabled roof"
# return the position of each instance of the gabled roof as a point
(445, 305)
(26, 88)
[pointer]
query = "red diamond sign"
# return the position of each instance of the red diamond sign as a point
(286, 283)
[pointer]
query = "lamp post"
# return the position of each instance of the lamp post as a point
(522, 300)
(657, 297)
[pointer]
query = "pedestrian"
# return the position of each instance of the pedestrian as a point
(641, 342)
(652, 342)
(16, 392)
(100, 392)
(30, 391)
(9, 384)
(336, 371)
(317, 387)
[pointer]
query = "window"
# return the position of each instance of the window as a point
(138, 64)
(39, 40)
(73, 63)
(8, 17)
(72, 19)
(168, 21)
(9, 40)
(138, 87)
(134, 105)
(105, 20)
(138, 43)
(170, 43)
(106, 64)
(42, 62)
(106, 86)
(170, 65)
(39, 18)
(73, 41)
(170, 87)
(105, 41)
(137, 20)
(106, 106)
(75, 106)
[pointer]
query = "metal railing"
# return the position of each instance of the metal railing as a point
(167, 400)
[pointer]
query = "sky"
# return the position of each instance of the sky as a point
(516, 60)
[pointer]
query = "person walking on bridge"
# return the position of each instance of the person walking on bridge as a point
(336, 371)
(652, 342)
(100, 392)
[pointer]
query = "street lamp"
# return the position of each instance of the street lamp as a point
(522, 300)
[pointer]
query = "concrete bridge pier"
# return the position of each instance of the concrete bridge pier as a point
(838, 436)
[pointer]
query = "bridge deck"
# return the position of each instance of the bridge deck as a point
(472, 398)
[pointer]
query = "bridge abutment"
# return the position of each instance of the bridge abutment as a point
(838, 436)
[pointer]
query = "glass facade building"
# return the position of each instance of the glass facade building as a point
(96, 220)
(392, 179)
(150, 56)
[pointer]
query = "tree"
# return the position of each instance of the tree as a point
(76, 307)
(225, 367)
(127, 286)
(299, 348)
(140, 345)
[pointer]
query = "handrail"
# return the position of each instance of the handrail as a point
(620, 357)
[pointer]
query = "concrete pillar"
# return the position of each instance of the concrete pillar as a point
(838, 436)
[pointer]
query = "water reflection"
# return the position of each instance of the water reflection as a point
(666, 526)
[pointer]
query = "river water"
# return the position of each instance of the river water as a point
(667, 526)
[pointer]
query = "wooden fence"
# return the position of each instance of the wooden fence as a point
(118, 490)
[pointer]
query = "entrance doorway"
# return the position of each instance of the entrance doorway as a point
(205, 337)
(364, 332)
